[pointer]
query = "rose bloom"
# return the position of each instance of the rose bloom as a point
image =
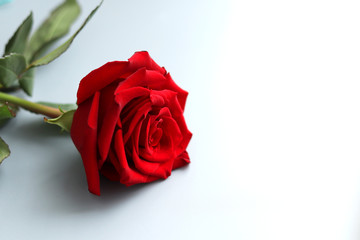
(129, 125)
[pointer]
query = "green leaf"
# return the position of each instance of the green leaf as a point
(4, 150)
(5, 113)
(26, 81)
(17, 42)
(11, 66)
(62, 48)
(7, 110)
(61, 106)
(64, 120)
(53, 28)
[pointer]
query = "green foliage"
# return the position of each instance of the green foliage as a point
(53, 28)
(7, 110)
(4, 150)
(22, 55)
(62, 48)
(11, 66)
(17, 42)
(64, 120)
(26, 81)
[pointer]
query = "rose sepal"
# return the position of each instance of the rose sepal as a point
(4, 150)
(64, 120)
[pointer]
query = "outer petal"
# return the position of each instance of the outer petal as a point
(143, 59)
(100, 78)
(182, 94)
(143, 78)
(108, 116)
(182, 160)
(124, 96)
(155, 81)
(84, 134)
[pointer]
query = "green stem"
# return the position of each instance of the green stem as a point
(31, 106)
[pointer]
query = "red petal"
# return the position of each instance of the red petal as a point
(144, 132)
(109, 113)
(128, 176)
(160, 170)
(182, 94)
(157, 169)
(171, 130)
(143, 59)
(172, 102)
(182, 160)
(156, 99)
(124, 96)
(143, 78)
(83, 134)
(100, 78)
(132, 120)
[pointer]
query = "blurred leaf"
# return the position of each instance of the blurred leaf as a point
(53, 28)
(7, 110)
(62, 48)
(61, 106)
(5, 113)
(26, 81)
(64, 120)
(4, 150)
(11, 66)
(17, 42)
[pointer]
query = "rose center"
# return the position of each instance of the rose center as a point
(155, 133)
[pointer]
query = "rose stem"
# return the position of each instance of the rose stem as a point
(31, 106)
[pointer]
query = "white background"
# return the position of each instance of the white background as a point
(273, 106)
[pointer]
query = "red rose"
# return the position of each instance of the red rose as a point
(129, 124)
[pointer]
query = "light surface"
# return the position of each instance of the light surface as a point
(274, 108)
